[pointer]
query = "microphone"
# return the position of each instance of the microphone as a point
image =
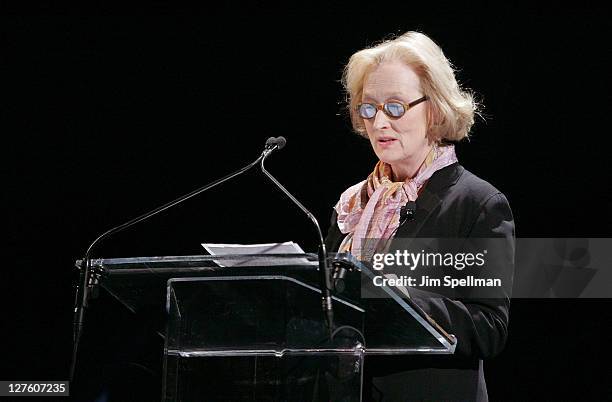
(87, 281)
(279, 142)
(407, 212)
(325, 281)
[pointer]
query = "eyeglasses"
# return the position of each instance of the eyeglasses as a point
(393, 109)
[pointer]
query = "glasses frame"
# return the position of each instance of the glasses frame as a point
(382, 106)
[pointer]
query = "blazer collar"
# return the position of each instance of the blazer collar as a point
(429, 198)
(445, 177)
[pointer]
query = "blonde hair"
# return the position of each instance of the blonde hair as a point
(451, 108)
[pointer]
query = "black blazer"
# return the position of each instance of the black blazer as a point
(453, 204)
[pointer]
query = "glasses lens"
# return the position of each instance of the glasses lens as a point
(394, 109)
(367, 111)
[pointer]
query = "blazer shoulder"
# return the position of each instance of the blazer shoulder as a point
(488, 208)
(477, 189)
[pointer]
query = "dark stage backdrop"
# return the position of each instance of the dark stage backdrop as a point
(108, 113)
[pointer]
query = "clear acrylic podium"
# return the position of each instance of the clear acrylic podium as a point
(250, 328)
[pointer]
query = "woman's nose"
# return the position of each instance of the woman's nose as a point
(381, 120)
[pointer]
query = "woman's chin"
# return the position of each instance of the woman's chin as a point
(389, 157)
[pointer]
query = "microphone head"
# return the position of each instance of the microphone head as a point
(281, 142)
(270, 142)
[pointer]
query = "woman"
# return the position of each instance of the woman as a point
(403, 97)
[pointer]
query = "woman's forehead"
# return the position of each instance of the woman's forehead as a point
(391, 79)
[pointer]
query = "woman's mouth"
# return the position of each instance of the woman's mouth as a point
(386, 141)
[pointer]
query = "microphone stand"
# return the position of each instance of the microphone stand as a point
(86, 281)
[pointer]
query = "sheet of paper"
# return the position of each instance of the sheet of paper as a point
(288, 247)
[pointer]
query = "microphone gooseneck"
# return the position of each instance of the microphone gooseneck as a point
(324, 272)
(87, 281)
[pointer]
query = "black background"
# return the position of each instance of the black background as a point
(109, 112)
